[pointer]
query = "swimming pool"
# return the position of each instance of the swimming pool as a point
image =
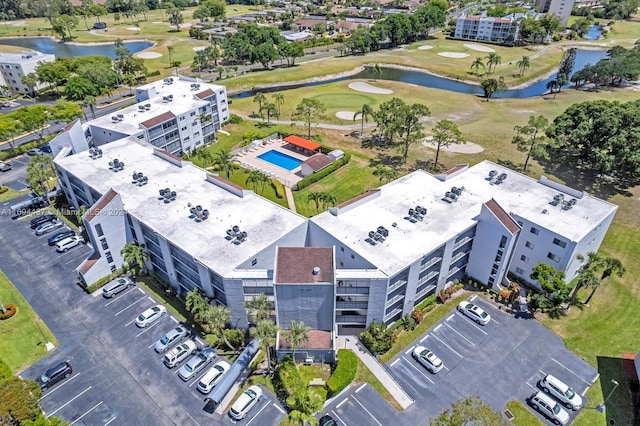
(281, 160)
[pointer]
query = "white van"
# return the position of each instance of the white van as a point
(563, 393)
(245, 402)
(68, 243)
(549, 408)
(213, 376)
(179, 353)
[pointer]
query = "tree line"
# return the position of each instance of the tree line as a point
(619, 66)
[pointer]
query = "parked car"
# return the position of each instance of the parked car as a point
(47, 227)
(39, 220)
(59, 236)
(54, 375)
(68, 243)
(150, 316)
(34, 151)
(46, 148)
(327, 420)
(213, 376)
(178, 354)
(428, 359)
(4, 167)
(562, 392)
(543, 403)
(474, 312)
(196, 363)
(116, 286)
(245, 402)
(177, 334)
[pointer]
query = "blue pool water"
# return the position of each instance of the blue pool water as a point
(281, 160)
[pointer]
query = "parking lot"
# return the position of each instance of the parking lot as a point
(15, 178)
(501, 361)
(117, 377)
(363, 405)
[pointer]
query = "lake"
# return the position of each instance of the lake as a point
(48, 45)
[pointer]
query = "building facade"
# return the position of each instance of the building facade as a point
(485, 28)
(378, 255)
(14, 66)
(560, 8)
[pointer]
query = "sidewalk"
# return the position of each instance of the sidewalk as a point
(352, 342)
(292, 204)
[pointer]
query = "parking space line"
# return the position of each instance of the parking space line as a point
(151, 345)
(199, 378)
(140, 290)
(416, 368)
(495, 321)
(365, 409)
(360, 388)
(533, 387)
(152, 301)
(342, 403)
(69, 402)
(279, 409)
(450, 348)
(110, 421)
(543, 373)
(456, 331)
(260, 411)
(473, 323)
(75, 259)
(394, 362)
(438, 327)
(338, 417)
(115, 299)
(65, 382)
(409, 350)
(472, 298)
(90, 410)
(124, 309)
(450, 316)
(571, 371)
(147, 328)
(424, 338)
(130, 322)
(174, 320)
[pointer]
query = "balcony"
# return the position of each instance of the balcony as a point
(463, 241)
(396, 285)
(426, 290)
(427, 277)
(459, 256)
(393, 300)
(352, 305)
(430, 263)
(456, 269)
(352, 290)
(351, 319)
(392, 313)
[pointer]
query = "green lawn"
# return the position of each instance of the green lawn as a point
(522, 415)
(24, 335)
(364, 375)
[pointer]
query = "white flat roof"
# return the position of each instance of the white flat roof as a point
(408, 241)
(26, 56)
(179, 87)
(265, 222)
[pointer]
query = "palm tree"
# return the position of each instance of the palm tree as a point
(176, 64)
(586, 278)
(316, 197)
(265, 331)
(195, 302)
(377, 71)
(493, 59)
(255, 177)
(171, 49)
(385, 173)
(215, 319)
(278, 99)
(224, 160)
(271, 110)
(327, 200)
(259, 98)
(611, 266)
(365, 112)
(297, 335)
(89, 101)
(259, 307)
(524, 64)
(204, 155)
(134, 255)
(478, 63)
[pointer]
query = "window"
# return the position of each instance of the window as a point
(535, 230)
(519, 271)
(529, 245)
(193, 113)
(559, 243)
(254, 262)
(196, 134)
(182, 118)
(113, 268)
(503, 241)
(184, 128)
(553, 257)
(353, 256)
(99, 230)
(342, 249)
(498, 258)
(520, 223)
(104, 244)
(524, 258)
(109, 257)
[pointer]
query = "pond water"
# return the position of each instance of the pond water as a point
(48, 45)
(583, 57)
(594, 33)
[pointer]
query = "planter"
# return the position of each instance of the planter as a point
(10, 311)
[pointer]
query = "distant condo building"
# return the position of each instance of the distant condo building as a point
(503, 30)
(560, 8)
(14, 66)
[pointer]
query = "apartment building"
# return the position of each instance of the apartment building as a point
(560, 8)
(370, 259)
(14, 66)
(503, 30)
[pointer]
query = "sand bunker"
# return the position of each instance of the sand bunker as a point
(425, 47)
(149, 55)
(461, 148)
(198, 48)
(345, 115)
(367, 88)
(16, 23)
(453, 55)
(478, 47)
(133, 28)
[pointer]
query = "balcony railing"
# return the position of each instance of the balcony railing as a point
(456, 269)
(428, 277)
(459, 256)
(426, 290)
(462, 242)
(352, 305)
(352, 290)
(392, 313)
(430, 263)
(396, 285)
(351, 319)
(393, 300)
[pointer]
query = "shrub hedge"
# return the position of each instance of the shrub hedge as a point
(344, 373)
(314, 177)
(3, 189)
(431, 300)
(11, 311)
(287, 379)
(104, 280)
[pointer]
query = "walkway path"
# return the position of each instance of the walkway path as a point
(290, 201)
(351, 127)
(378, 370)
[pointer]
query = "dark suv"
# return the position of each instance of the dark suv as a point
(52, 240)
(37, 221)
(54, 375)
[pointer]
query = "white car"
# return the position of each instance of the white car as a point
(196, 363)
(548, 407)
(245, 402)
(474, 312)
(562, 392)
(150, 316)
(213, 376)
(47, 227)
(428, 359)
(177, 334)
(69, 243)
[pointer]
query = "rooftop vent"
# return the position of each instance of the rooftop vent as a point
(198, 213)
(557, 199)
(492, 174)
(235, 235)
(457, 191)
(316, 270)
(167, 98)
(168, 80)
(167, 195)
(116, 165)
(95, 153)
(147, 107)
(195, 86)
(139, 179)
(140, 107)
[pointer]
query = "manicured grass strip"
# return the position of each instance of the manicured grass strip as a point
(364, 375)
(24, 335)
(522, 415)
(8, 195)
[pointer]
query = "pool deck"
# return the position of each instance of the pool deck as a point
(248, 158)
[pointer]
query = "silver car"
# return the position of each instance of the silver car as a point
(116, 286)
(177, 334)
(196, 363)
(47, 227)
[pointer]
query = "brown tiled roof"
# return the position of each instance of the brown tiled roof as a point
(309, 23)
(318, 339)
(158, 119)
(205, 94)
(101, 204)
(455, 169)
(87, 264)
(358, 198)
(349, 25)
(295, 264)
(79, 3)
(168, 154)
(69, 126)
(226, 182)
(504, 218)
(317, 162)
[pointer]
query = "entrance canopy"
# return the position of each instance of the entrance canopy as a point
(302, 143)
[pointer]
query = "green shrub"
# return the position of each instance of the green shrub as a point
(287, 378)
(314, 177)
(153, 73)
(234, 119)
(277, 188)
(344, 373)
(5, 371)
(378, 338)
(104, 280)
(431, 300)
(3, 189)
(235, 337)
(409, 323)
